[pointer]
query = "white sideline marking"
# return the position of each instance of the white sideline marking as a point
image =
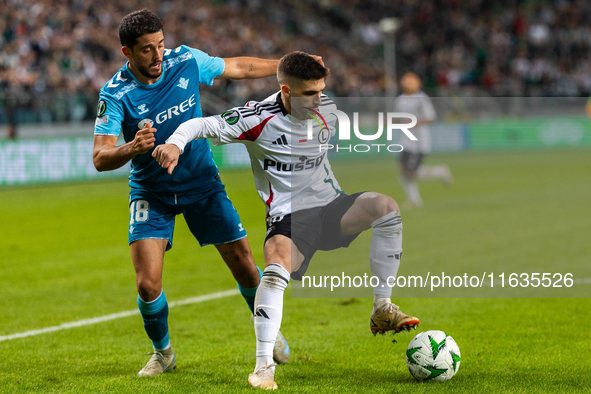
(119, 315)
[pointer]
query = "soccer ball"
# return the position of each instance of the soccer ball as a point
(433, 355)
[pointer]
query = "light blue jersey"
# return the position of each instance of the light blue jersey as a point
(127, 105)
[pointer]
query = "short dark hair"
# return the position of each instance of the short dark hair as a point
(300, 66)
(136, 24)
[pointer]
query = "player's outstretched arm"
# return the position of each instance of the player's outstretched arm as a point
(167, 155)
(106, 156)
(251, 67)
(220, 129)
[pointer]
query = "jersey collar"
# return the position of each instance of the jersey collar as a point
(144, 86)
(280, 103)
(284, 112)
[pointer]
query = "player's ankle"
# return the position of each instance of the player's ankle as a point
(165, 350)
(380, 301)
(263, 361)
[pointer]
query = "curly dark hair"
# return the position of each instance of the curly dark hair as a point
(136, 24)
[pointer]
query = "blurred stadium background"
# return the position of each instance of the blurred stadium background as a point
(56, 55)
(510, 81)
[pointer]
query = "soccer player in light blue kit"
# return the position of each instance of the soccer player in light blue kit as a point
(156, 91)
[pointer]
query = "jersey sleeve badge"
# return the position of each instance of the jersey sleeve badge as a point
(231, 117)
(101, 108)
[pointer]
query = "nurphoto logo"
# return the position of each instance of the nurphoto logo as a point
(344, 131)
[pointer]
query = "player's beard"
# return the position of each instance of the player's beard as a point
(150, 74)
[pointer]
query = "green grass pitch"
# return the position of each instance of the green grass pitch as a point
(64, 257)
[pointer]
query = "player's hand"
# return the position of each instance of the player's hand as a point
(144, 140)
(167, 156)
(318, 59)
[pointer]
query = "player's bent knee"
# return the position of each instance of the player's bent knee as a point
(383, 205)
(149, 289)
(389, 205)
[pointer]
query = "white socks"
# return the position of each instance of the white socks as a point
(268, 311)
(411, 189)
(385, 253)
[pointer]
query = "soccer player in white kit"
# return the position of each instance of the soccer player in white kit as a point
(415, 101)
(306, 209)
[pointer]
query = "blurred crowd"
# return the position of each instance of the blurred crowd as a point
(55, 55)
(510, 48)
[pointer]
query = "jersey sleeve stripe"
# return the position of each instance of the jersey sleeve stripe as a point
(244, 111)
(258, 106)
(253, 133)
(260, 110)
(266, 104)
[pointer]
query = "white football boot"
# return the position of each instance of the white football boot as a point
(160, 362)
(263, 378)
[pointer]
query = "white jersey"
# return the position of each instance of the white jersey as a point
(291, 173)
(420, 105)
